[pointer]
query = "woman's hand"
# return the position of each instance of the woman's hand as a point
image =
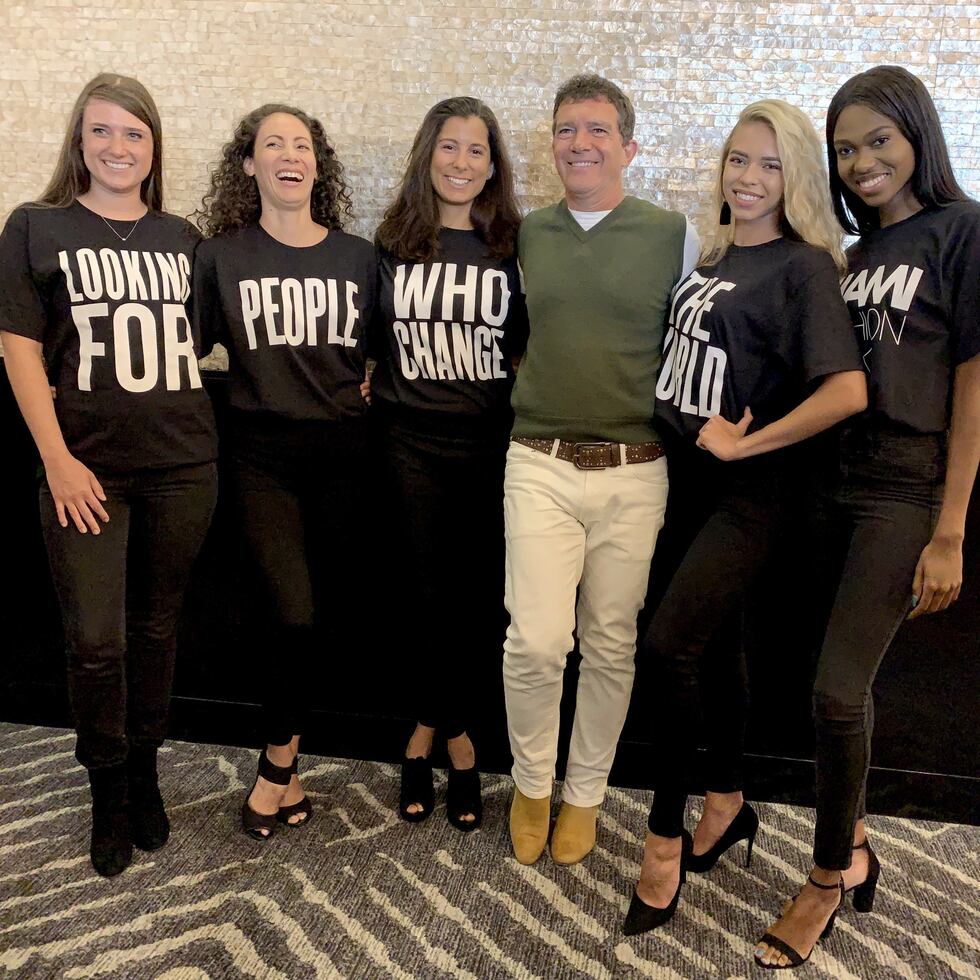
(77, 494)
(938, 576)
(365, 389)
(721, 437)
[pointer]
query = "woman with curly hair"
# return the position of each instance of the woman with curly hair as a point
(289, 294)
(451, 317)
(96, 277)
(759, 356)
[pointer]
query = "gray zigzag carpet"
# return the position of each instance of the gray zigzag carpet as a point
(361, 894)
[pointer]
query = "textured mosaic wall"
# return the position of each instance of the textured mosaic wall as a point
(369, 70)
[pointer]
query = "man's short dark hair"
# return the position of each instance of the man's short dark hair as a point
(581, 88)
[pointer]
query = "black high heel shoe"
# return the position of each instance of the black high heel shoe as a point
(864, 894)
(744, 826)
(463, 796)
(253, 822)
(416, 788)
(292, 809)
(781, 946)
(641, 917)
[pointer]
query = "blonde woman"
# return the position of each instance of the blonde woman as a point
(759, 355)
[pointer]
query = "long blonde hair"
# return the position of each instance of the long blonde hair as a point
(807, 214)
(71, 177)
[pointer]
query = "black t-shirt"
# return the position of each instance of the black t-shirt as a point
(447, 329)
(294, 320)
(755, 330)
(118, 342)
(913, 291)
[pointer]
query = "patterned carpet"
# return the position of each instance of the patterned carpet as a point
(360, 894)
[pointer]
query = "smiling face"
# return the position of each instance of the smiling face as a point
(876, 162)
(590, 155)
(460, 168)
(752, 183)
(117, 149)
(283, 162)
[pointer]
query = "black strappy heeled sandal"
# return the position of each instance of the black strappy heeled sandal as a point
(863, 899)
(292, 809)
(253, 822)
(783, 947)
(462, 797)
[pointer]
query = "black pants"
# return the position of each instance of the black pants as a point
(121, 594)
(298, 488)
(878, 515)
(448, 498)
(702, 687)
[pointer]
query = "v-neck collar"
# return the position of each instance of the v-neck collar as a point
(583, 234)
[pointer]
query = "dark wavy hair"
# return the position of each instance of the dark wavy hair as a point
(233, 202)
(899, 95)
(71, 177)
(410, 228)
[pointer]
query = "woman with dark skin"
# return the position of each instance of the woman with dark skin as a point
(289, 294)
(441, 394)
(897, 509)
(96, 275)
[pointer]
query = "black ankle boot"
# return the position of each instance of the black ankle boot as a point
(149, 827)
(111, 849)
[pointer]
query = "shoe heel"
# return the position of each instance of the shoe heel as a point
(864, 896)
(748, 848)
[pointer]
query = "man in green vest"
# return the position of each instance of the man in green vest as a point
(586, 482)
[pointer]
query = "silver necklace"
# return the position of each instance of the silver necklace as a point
(128, 234)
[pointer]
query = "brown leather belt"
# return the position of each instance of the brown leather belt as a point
(595, 455)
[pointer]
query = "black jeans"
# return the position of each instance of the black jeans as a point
(298, 489)
(878, 514)
(702, 687)
(121, 594)
(448, 497)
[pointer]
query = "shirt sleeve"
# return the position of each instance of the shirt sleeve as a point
(206, 312)
(963, 248)
(515, 337)
(371, 311)
(22, 309)
(827, 344)
(692, 250)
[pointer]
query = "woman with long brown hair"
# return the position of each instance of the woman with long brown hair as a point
(96, 278)
(451, 319)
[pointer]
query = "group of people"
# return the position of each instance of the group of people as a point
(544, 374)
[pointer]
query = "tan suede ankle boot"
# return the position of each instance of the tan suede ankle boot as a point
(529, 821)
(574, 834)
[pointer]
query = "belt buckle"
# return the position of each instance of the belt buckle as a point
(581, 447)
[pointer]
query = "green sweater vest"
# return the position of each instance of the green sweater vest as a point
(597, 302)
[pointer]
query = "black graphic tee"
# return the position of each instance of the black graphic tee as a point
(294, 320)
(755, 330)
(447, 331)
(913, 291)
(118, 342)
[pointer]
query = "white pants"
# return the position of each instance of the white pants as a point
(567, 528)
